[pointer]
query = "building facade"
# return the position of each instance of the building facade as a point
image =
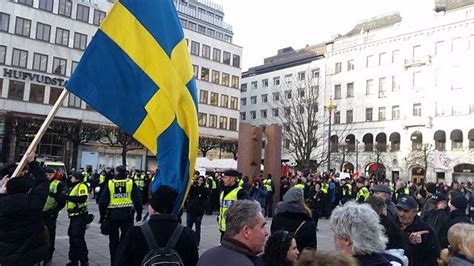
(403, 92)
(41, 42)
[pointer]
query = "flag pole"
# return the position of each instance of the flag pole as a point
(41, 132)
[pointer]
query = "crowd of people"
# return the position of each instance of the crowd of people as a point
(374, 221)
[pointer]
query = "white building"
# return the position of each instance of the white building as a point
(402, 87)
(41, 42)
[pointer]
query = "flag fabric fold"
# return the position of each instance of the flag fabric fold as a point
(137, 72)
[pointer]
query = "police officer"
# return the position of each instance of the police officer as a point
(119, 199)
(230, 194)
(212, 186)
(346, 190)
(363, 193)
(54, 203)
(270, 188)
(76, 204)
(139, 179)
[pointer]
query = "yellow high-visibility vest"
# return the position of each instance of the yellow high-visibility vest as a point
(324, 188)
(267, 183)
(101, 179)
(139, 181)
(50, 201)
(348, 190)
(120, 193)
(226, 202)
(74, 209)
(300, 186)
(364, 193)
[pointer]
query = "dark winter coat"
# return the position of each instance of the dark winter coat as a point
(456, 217)
(460, 260)
(289, 216)
(22, 231)
(372, 260)
(393, 233)
(198, 196)
(438, 220)
(133, 247)
(230, 253)
(427, 252)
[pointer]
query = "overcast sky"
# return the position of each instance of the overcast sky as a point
(262, 27)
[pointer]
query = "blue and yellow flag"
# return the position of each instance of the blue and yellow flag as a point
(137, 72)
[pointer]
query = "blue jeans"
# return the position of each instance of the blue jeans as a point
(194, 219)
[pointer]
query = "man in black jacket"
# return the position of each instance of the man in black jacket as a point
(457, 211)
(119, 199)
(420, 237)
(198, 196)
(133, 247)
(438, 218)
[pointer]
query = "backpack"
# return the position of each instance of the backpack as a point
(163, 256)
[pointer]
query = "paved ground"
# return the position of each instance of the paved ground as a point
(98, 244)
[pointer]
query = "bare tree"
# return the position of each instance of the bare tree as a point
(421, 155)
(21, 125)
(207, 144)
(231, 146)
(116, 137)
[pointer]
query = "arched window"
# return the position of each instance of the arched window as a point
(334, 143)
(440, 140)
(350, 142)
(470, 136)
(416, 140)
(381, 140)
(456, 139)
(368, 140)
(394, 141)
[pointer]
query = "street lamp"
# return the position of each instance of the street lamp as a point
(220, 146)
(330, 106)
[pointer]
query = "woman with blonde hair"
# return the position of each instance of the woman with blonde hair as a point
(461, 246)
(317, 258)
(294, 216)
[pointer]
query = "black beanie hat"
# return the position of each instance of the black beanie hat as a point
(18, 185)
(163, 199)
(460, 202)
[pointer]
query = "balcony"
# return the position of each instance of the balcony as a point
(418, 61)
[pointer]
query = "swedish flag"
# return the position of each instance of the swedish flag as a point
(137, 72)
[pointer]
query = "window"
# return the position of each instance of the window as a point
(369, 61)
(368, 114)
(26, 2)
(4, 21)
(456, 139)
(395, 112)
(19, 58)
(315, 74)
(202, 119)
(216, 76)
(65, 7)
(214, 98)
(80, 41)
(213, 121)
(301, 109)
(288, 78)
(236, 60)
(253, 114)
(350, 65)
(382, 116)
(254, 85)
(382, 88)
(349, 116)
(276, 81)
(287, 111)
(40, 62)
(233, 124)
(226, 58)
(264, 83)
(337, 117)
(235, 82)
(46, 5)
(196, 71)
(62, 36)
(301, 76)
(416, 51)
(458, 44)
(82, 13)
(395, 56)
(54, 94)
(288, 94)
(74, 101)
(441, 48)
(206, 51)
(243, 87)
(225, 79)
(23, 27)
(36, 93)
(16, 89)
(3, 54)
(205, 73)
(383, 59)
(395, 86)
(369, 84)
(338, 67)
(233, 103)
(264, 98)
(301, 93)
(43, 32)
(223, 122)
(276, 96)
(216, 55)
(59, 66)
(350, 90)
(263, 113)
(275, 112)
(417, 109)
(243, 101)
(203, 96)
(253, 100)
(192, 25)
(337, 91)
(243, 116)
(224, 101)
(195, 48)
(98, 17)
